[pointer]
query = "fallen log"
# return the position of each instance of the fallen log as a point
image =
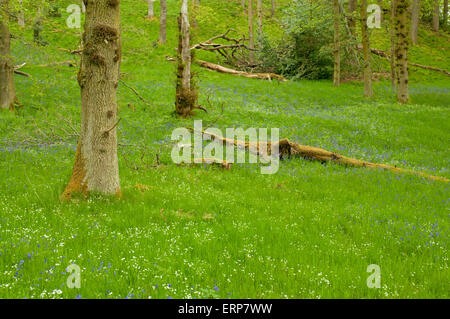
(222, 69)
(290, 149)
(426, 67)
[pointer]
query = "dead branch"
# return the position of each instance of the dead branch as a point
(426, 67)
(136, 92)
(68, 63)
(221, 69)
(291, 149)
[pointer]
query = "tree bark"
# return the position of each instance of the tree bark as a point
(415, 14)
(273, 9)
(337, 49)
(7, 88)
(96, 164)
(368, 92)
(251, 40)
(150, 11)
(393, 44)
(436, 16)
(163, 22)
(402, 51)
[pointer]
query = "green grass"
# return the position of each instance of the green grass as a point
(309, 231)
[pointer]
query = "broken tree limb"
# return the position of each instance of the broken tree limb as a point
(16, 70)
(290, 149)
(426, 67)
(222, 69)
(137, 93)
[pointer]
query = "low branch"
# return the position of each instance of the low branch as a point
(136, 92)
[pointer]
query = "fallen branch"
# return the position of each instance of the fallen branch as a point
(221, 69)
(290, 149)
(136, 92)
(68, 63)
(426, 67)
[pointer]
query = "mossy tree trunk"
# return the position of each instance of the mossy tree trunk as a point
(401, 53)
(272, 12)
(186, 95)
(251, 40)
(368, 92)
(96, 164)
(415, 14)
(7, 88)
(163, 22)
(393, 27)
(436, 16)
(337, 44)
(20, 15)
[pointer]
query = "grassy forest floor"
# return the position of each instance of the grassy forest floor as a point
(309, 231)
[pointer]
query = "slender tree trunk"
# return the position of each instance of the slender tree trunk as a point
(20, 15)
(402, 50)
(337, 44)
(259, 10)
(415, 14)
(273, 9)
(368, 92)
(186, 96)
(7, 89)
(150, 12)
(352, 6)
(96, 164)
(243, 5)
(393, 27)
(163, 22)
(436, 16)
(445, 22)
(250, 31)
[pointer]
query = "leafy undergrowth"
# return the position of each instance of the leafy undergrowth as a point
(309, 231)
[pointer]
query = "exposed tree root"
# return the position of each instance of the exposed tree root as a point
(221, 69)
(290, 149)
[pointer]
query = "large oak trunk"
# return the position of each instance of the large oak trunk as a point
(96, 164)
(7, 89)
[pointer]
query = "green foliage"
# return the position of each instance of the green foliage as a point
(304, 51)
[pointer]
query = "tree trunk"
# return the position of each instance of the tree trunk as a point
(337, 55)
(415, 14)
(445, 14)
(150, 12)
(186, 96)
(163, 22)
(402, 51)
(7, 89)
(20, 15)
(243, 5)
(368, 92)
(259, 10)
(251, 41)
(352, 6)
(436, 16)
(393, 44)
(273, 9)
(96, 164)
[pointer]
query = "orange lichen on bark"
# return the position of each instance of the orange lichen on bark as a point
(76, 183)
